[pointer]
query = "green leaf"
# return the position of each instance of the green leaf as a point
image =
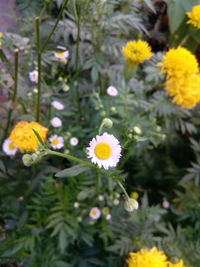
(176, 14)
(39, 138)
(62, 240)
(73, 171)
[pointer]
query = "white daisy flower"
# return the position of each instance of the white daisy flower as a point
(56, 141)
(95, 213)
(73, 141)
(57, 105)
(112, 91)
(104, 150)
(64, 54)
(33, 75)
(56, 122)
(9, 148)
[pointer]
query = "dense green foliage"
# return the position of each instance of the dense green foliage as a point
(44, 214)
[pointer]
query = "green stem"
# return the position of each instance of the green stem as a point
(14, 93)
(39, 58)
(184, 40)
(55, 25)
(123, 189)
(78, 42)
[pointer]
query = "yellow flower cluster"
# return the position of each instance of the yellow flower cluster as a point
(194, 16)
(23, 136)
(151, 258)
(137, 52)
(1, 36)
(183, 77)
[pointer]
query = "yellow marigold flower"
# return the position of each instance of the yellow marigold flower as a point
(194, 16)
(147, 258)
(186, 90)
(178, 264)
(23, 136)
(137, 52)
(179, 62)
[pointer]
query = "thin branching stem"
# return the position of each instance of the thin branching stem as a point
(55, 26)
(14, 93)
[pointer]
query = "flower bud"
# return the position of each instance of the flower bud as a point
(131, 205)
(107, 123)
(27, 160)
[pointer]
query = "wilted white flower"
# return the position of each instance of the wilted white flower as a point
(56, 122)
(131, 204)
(112, 91)
(104, 150)
(137, 130)
(57, 105)
(73, 141)
(9, 148)
(56, 141)
(95, 213)
(33, 75)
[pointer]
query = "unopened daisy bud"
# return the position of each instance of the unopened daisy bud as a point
(130, 135)
(66, 88)
(35, 90)
(21, 198)
(137, 130)
(56, 122)
(100, 197)
(79, 219)
(76, 205)
(107, 123)
(35, 157)
(166, 204)
(108, 217)
(113, 109)
(105, 211)
(95, 213)
(73, 141)
(27, 160)
(103, 114)
(117, 195)
(29, 94)
(116, 202)
(131, 205)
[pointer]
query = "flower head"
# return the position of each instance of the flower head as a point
(104, 150)
(73, 141)
(112, 91)
(9, 148)
(56, 122)
(131, 204)
(179, 62)
(23, 136)
(33, 75)
(137, 52)
(147, 258)
(95, 213)
(194, 16)
(56, 141)
(57, 105)
(178, 264)
(62, 55)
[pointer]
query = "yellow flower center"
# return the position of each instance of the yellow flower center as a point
(60, 54)
(94, 212)
(55, 141)
(103, 150)
(11, 146)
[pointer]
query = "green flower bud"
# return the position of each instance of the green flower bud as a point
(27, 160)
(107, 123)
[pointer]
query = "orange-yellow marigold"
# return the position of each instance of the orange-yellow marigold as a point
(23, 136)
(137, 52)
(194, 16)
(179, 62)
(147, 258)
